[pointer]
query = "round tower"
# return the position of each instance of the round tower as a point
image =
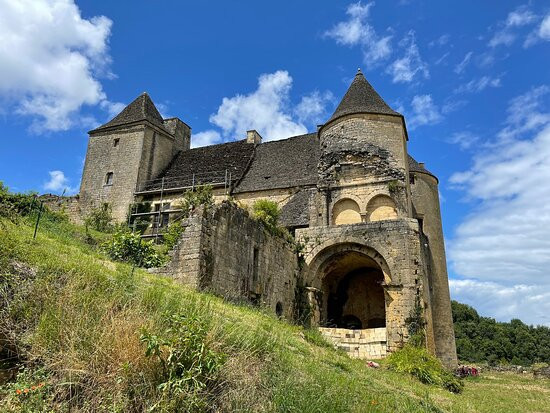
(426, 208)
(365, 142)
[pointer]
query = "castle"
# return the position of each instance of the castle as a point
(365, 212)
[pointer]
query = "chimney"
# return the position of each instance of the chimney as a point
(422, 165)
(252, 136)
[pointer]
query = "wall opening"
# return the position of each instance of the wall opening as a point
(109, 178)
(353, 295)
(346, 211)
(279, 309)
(380, 208)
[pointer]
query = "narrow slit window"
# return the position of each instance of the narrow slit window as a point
(116, 142)
(109, 178)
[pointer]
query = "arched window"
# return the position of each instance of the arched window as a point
(380, 208)
(346, 211)
(109, 178)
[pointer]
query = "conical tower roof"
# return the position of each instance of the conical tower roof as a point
(141, 109)
(361, 98)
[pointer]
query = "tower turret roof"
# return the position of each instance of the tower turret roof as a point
(361, 98)
(141, 109)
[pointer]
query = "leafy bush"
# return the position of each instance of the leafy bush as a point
(425, 367)
(172, 234)
(482, 339)
(200, 196)
(100, 218)
(126, 246)
(187, 363)
(12, 204)
(267, 212)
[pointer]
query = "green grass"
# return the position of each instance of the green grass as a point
(75, 319)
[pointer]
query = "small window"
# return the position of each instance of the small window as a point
(279, 309)
(109, 178)
(115, 142)
(411, 179)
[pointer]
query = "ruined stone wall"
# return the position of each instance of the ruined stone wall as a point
(68, 205)
(395, 244)
(425, 196)
(225, 251)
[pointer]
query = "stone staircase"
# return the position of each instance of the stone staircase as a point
(363, 344)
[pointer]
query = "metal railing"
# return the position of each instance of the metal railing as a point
(182, 182)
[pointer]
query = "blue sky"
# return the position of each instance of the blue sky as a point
(471, 78)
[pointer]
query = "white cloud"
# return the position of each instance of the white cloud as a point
(544, 28)
(208, 137)
(459, 68)
(51, 59)
(506, 239)
(312, 108)
(531, 303)
(406, 68)
(268, 110)
(58, 182)
(357, 31)
(424, 112)
(464, 139)
(478, 85)
(440, 41)
(506, 35)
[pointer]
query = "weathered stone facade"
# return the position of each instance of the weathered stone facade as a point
(365, 213)
(226, 252)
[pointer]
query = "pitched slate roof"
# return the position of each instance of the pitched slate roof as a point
(141, 109)
(361, 98)
(207, 164)
(282, 164)
(414, 166)
(295, 213)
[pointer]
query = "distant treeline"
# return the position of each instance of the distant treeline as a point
(482, 339)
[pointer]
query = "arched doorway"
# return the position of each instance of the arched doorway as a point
(353, 292)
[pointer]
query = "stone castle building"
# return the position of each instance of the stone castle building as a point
(365, 212)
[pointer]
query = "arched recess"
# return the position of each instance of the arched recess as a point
(381, 207)
(346, 211)
(352, 278)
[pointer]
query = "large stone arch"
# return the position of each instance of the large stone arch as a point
(351, 279)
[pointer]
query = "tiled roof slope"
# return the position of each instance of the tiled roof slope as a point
(361, 98)
(295, 213)
(414, 166)
(142, 108)
(208, 164)
(285, 163)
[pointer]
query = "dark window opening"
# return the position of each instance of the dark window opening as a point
(115, 142)
(421, 225)
(411, 179)
(279, 309)
(109, 178)
(255, 263)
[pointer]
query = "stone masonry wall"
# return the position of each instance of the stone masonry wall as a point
(225, 251)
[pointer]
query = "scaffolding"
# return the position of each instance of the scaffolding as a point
(164, 185)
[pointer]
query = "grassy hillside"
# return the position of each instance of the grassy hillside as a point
(94, 335)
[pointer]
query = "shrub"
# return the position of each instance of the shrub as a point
(200, 196)
(267, 212)
(187, 363)
(100, 218)
(425, 367)
(12, 204)
(172, 234)
(128, 247)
